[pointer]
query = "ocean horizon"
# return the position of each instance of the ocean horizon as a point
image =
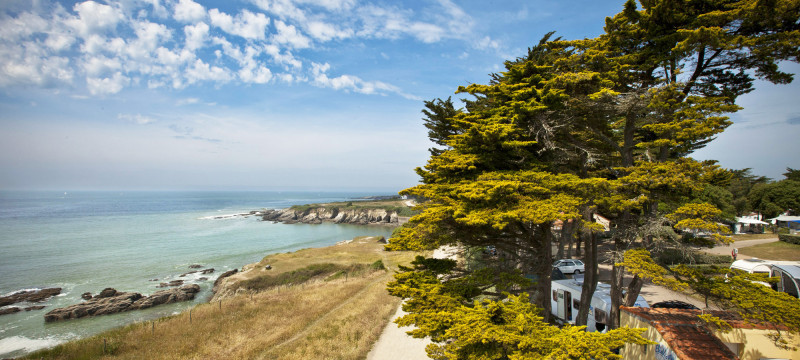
(85, 241)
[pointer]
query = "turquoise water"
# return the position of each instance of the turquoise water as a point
(87, 241)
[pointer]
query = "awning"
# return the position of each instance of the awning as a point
(750, 221)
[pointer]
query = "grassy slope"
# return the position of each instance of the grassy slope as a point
(338, 319)
(778, 250)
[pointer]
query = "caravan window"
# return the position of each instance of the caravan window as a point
(555, 295)
(576, 303)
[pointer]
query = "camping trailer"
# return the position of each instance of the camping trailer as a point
(566, 299)
(759, 266)
(789, 276)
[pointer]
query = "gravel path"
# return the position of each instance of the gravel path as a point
(394, 343)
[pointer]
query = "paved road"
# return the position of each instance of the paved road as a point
(726, 249)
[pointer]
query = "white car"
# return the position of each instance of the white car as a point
(570, 266)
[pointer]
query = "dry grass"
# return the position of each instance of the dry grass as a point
(778, 250)
(337, 319)
(742, 237)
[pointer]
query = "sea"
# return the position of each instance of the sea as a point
(87, 241)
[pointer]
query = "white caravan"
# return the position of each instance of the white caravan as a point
(565, 302)
(759, 266)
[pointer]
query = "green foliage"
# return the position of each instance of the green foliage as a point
(791, 239)
(772, 199)
(792, 174)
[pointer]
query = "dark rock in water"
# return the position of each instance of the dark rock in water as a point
(29, 296)
(109, 301)
(166, 297)
(38, 307)
(195, 266)
(190, 272)
(121, 301)
(10, 310)
(207, 271)
(107, 292)
(86, 296)
(219, 279)
(171, 283)
(153, 280)
(203, 278)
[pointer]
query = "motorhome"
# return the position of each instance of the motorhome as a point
(566, 299)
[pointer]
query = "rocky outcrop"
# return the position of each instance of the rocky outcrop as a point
(334, 215)
(222, 276)
(29, 296)
(10, 310)
(111, 301)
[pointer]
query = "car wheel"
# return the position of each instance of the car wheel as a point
(576, 272)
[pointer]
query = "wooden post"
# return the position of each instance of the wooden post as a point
(220, 305)
(190, 316)
(153, 328)
(104, 346)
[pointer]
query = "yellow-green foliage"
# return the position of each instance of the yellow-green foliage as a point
(491, 329)
(639, 262)
(741, 292)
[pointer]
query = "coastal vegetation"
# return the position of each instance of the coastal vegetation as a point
(306, 318)
(574, 130)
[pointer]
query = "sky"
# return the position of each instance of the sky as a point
(280, 94)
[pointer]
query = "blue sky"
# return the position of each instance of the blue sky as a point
(279, 94)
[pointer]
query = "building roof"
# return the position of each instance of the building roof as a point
(687, 335)
(748, 220)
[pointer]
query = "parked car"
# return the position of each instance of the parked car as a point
(570, 266)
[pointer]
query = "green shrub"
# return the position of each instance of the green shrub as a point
(378, 265)
(791, 239)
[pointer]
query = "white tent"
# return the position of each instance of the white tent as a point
(749, 224)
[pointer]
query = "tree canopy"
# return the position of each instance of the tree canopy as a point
(571, 129)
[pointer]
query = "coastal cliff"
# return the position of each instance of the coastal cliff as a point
(338, 215)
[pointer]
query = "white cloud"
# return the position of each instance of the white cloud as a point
(260, 75)
(288, 34)
(94, 17)
(324, 31)
(353, 83)
(284, 9)
(200, 71)
(246, 24)
(138, 119)
(189, 11)
(196, 35)
(101, 66)
(109, 85)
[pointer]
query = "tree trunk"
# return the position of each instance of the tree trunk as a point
(634, 288)
(589, 279)
(617, 274)
(545, 269)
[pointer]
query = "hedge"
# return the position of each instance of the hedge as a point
(791, 239)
